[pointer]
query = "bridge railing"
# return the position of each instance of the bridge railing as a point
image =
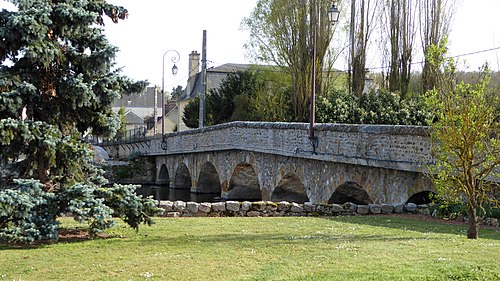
(129, 136)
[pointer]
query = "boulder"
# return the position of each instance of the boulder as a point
(205, 207)
(192, 207)
(219, 207)
(398, 208)
(375, 208)
(168, 206)
(309, 207)
(337, 208)
(386, 208)
(253, 214)
(363, 209)
(271, 207)
(296, 208)
(283, 206)
(233, 206)
(410, 208)
(350, 207)
(179, 206)
(246, 205)
(258, 206)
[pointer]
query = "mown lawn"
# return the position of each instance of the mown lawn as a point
(342, 248)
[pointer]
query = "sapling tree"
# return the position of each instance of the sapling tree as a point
(57, 83)
(466, 143)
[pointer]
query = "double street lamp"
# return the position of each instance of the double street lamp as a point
(333, 17)
(175, 58)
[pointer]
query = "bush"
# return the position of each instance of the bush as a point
(28, 213)
(382, 107)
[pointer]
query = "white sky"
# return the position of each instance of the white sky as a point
(155, 26)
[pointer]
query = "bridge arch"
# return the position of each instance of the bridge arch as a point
(163, 182)
(350, 192)
(208, 180)
(421, 198)
(290, 188)
(163, 176)
(182, 178)
(244, 184)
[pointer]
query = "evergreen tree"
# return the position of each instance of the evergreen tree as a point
(57, 67)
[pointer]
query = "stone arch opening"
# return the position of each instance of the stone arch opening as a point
(208, 181)
(350, 192)
(163, 183)
(421, 198)
(290, 189)
(163, 176)
(182, 177)
(244, 184)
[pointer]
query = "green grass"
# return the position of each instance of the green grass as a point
(343, 248)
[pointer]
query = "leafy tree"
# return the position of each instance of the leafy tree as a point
(465, 140)
(281, 34)
(253, 95)
(176, 92)
(192, 113)
(436, 17)
(120, 134)
(56, 67)
(466, 147)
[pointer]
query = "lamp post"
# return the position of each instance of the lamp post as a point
(333, 16)
(175, 58)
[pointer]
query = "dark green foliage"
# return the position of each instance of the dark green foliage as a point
(129, 206)
(373, 108)
(192, 113)
(57, 67)
(27, 213)
(253, 95)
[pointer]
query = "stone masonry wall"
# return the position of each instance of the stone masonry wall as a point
(405, 148)
(284, 209)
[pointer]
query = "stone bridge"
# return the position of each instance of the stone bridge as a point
(277, 161)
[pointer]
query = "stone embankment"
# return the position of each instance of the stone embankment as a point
(284, 209)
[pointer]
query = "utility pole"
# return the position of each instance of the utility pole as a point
(201, 119)
(155, 105)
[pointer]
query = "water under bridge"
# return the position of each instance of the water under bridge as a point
(277, 161)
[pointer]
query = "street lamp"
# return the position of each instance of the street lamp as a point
(174, 59)
(333, 16)
(334, 13)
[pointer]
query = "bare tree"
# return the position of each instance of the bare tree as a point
(435, 17)
(399, 24)
(281, 33)
(363, 15)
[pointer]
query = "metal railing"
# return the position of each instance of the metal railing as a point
(129, 136)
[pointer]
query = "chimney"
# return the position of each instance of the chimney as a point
(194, 69)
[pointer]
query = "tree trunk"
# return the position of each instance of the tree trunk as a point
(472, 233)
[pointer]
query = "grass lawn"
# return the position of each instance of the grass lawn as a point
(340, 248)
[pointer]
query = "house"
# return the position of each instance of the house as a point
(140, 107)
(194, 87)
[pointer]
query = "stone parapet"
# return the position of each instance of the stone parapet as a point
(404, 148)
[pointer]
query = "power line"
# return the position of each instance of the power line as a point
(456, 56)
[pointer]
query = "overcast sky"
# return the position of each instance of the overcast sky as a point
(155, 26)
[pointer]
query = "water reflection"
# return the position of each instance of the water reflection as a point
(160, 192)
